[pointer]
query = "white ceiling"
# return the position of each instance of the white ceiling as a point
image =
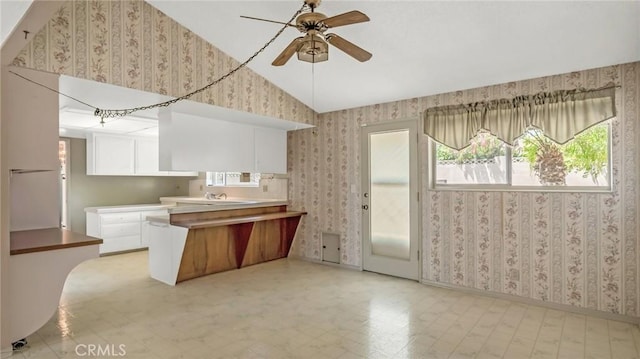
(422, 48)
(11, 11)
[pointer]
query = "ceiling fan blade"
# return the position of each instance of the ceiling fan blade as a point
(348, 18)
(348, 47)
(286, 54)
(275, 22)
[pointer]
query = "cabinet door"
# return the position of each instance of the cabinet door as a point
(110, 155)
(147, 156)
(271, 150)
(191, 143)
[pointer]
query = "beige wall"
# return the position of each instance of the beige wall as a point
(92, 191)
(577, 249)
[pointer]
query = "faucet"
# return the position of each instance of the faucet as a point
(211, 195)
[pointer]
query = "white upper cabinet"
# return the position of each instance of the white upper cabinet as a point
(192, 143)
(270, 150)
(110, 155)
(147, 157)
(114, 155)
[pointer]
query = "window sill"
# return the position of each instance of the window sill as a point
(505, 188)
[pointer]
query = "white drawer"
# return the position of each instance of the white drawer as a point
(120, 230)
(120, 244)
(110, 218)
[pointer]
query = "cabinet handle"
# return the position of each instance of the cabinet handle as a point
(365, 207)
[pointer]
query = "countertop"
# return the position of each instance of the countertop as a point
(127, 208)
(199, 204)
(48, 239)
(186, 204)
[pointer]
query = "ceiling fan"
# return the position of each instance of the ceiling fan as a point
(312, 47)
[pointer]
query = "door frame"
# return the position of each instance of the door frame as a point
(412, 124)
(64, 184)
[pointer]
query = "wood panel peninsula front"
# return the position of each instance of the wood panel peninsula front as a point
(194, 241)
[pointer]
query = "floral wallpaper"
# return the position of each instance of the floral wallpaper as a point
(130, 43)
(578, 249)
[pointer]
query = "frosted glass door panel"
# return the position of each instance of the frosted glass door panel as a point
(390, 208)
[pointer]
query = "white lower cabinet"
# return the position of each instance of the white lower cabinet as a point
(120, 231)
(145, 234)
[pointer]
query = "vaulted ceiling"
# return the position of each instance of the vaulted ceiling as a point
(419, 48)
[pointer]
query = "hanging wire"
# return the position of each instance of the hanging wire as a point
(49, 88)
(112, 113)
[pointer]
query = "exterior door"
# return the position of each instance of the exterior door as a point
(390, 210)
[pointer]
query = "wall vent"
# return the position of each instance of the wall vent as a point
(330, 247)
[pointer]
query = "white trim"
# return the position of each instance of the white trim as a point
(399, 268)
(421, 196)
(536, 302)
(508, 188)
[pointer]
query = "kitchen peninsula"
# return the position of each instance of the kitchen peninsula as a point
(199, 237)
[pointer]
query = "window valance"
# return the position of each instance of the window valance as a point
(560, 115)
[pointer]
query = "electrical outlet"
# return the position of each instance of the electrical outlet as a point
(265, 188)
(201, 188)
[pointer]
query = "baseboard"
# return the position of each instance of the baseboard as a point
(539, 303)
(6, 352)
(330, 264)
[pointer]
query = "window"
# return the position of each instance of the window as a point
(483, 162)
(534, 162)
(233, 179)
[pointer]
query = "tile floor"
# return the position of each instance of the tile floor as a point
(295, 309)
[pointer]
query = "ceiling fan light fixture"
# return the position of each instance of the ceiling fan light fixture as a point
(313, 49)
